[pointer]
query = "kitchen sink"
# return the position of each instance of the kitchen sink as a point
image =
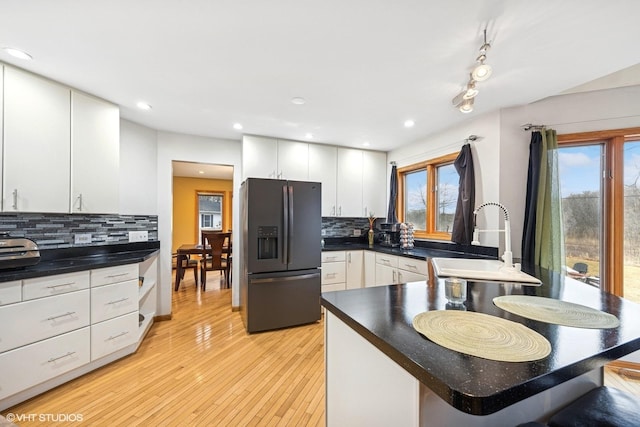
(480, 269)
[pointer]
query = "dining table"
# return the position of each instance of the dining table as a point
(186, 250)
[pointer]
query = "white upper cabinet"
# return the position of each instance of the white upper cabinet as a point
(293, 160)
(349, 189)
(95, 155)
(374, 184)
(259, 157)
(323, 168)
(264, 157)
(36, 163)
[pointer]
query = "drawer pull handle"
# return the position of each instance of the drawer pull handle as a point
(61, 285)
(412, 266)
(117, 275)
(55, 359)
(331, 275)
(118, 336)
(69, 313)
(118, 301)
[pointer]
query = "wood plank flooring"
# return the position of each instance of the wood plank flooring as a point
(201, 368)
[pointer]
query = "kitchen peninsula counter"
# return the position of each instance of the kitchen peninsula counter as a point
(372, 348)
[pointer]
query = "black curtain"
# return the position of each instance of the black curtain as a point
(531, 202)
(392, 218)
(462, 231)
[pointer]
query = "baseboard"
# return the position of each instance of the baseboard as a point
(162, 317)
(235, 308)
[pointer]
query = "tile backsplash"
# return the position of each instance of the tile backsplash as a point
(343, 227)
(54, 231)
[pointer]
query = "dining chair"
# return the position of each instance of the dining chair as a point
(187, 263)
(215, 256)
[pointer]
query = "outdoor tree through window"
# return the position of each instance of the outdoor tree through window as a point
(427, 196)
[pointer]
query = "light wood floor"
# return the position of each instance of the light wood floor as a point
(202, 368)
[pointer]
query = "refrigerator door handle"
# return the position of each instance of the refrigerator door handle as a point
(290, 232)
(285, 226)
(284, 279)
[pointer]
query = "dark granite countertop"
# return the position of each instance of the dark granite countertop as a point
(422, 250)
(383, 316)
(59, 261)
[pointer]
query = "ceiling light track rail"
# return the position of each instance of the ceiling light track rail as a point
(464, 100)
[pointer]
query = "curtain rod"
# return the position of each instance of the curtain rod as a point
(529, 126)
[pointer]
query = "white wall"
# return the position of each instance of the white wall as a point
(138, 169)
(188, 148)
(486, 162)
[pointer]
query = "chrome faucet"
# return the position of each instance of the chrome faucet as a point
(507, 257)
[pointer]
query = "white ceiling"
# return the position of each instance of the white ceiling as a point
(202, 170)
(363, 66)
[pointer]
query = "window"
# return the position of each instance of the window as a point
(209, 212)
(427, 196)
(600, 185)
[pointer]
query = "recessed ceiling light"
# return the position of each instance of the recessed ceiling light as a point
(17, 53)
(308, 135)
(365, 144)
(143, 106)
(298, 100)
(237, 126)
(409, 123)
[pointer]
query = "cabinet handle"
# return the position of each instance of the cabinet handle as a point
(15, 199)
(349, 258)
(80, 202)
(399, 277)
(54, 359)
(330, 275)
(117, 336)
(61, 285)
(340, 211)
(365, 211)
(394, 276)
(69, 313)
(333, 210)
(411, 266)
(117, 301)
(117, 275)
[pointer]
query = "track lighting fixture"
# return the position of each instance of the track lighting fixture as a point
(480, 72)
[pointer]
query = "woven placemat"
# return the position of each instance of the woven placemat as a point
(558, 312)
(482, 335)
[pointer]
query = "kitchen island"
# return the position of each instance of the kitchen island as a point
(380, 371)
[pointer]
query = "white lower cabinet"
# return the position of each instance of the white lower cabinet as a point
(42, 318)
(114, 334)
(33, 364)
(114, 300)
(70, 324)
(391, 269)
(10, 292)
(333, 271)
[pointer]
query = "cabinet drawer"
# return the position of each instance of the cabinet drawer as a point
(333, 256)
(114, 300)
(388, 260)
(334, 287)
(42, 318)
(33, 364)
(114, 334)
(54, 285)
(418, 266)
(10, 292)
(120, 273)
(333, 272)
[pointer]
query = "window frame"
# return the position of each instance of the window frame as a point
(199, 214)
(612, 265)
(430, 166)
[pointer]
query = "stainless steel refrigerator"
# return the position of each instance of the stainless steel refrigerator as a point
(281, 253)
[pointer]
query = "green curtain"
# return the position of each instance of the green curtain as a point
(549, 242)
